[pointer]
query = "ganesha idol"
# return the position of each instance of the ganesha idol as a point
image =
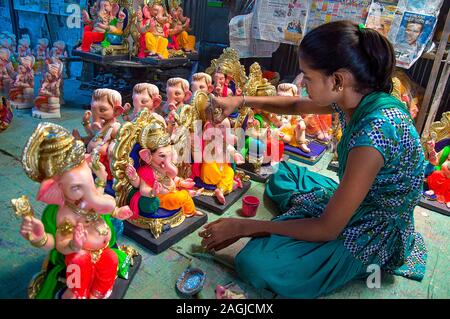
(179, 39)
(147, 178)
(101, 125)
(23, 48)
(437, 172)
(75, 228)
(264, 146)
(215, 158)
(153, 27)
(47, 103)
(7, 72)
(42, 53)
(104, 33)
(6, 114)
(22, 89)
(318, 126)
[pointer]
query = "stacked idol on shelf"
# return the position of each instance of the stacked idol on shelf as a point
(20, 65)
(153, 32)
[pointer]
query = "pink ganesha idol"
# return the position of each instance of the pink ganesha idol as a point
(47, 103)
(145, 96)
(22, 89)
(75, 227)
(106, 108)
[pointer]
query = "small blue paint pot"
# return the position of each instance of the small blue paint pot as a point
(191, 281)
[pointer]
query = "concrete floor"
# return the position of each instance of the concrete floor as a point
(158, 273)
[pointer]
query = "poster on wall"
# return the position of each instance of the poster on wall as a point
(38, 6)
(324, 11)
(381, 14)
(280, 20)
(413, 34)
(5, 16)
(408, 24)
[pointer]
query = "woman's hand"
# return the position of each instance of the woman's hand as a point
(227, 105)
(221, 233)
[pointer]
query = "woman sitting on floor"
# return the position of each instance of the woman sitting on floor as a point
(329, 233)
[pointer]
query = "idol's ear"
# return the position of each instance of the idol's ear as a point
(50, 192)
(146, 11)
(187, 95)
(145, 155)
(210, 88)
(157, 101)
(119, 110)
(115, 9)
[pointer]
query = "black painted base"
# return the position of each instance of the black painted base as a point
(166, 239)
(434, 206)
(93, 57)
(211, 203)
(121, 285)
(163, 63)
(249, 170)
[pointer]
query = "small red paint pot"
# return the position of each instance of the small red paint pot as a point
(249, 206)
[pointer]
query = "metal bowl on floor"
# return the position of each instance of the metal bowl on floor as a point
(191, 281)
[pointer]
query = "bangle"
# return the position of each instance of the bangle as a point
(244, 102)
(114, 213)
(41, 242)
(100, 183)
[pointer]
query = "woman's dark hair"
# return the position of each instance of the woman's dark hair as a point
(367, 54)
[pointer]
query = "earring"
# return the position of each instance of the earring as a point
(340, 88)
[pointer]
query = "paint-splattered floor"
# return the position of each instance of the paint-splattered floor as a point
(158, 273)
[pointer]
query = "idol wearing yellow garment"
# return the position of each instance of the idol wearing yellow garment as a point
(157, 44)
(186, 41)
(221, 175)
(177, 199)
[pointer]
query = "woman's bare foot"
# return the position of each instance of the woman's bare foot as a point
(220, 196)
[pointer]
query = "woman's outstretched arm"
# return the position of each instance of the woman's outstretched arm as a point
(287, 105)
(363, 165)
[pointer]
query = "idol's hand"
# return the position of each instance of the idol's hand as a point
(32, 229)
(123, 213)
(98, 169)
(79, 238)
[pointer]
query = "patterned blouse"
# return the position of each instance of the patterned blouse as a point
(382, 229)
